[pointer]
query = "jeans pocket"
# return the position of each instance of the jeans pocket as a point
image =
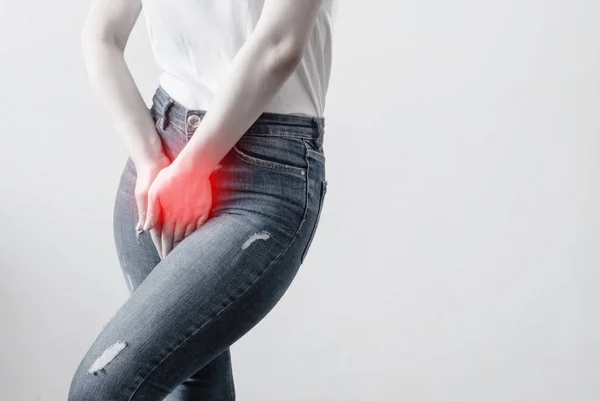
(317, 218)
(277, 153)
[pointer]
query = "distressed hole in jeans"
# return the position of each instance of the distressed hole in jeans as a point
(264, 235)
(107, 356)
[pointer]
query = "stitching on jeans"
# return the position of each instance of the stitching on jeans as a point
(323, 190)
(297, 171)
(316, 154)
(265, 270)
(281, 134)
(306, 200)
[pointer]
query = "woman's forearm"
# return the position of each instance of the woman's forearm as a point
(257, 72)
(115, 88)
(259, 69)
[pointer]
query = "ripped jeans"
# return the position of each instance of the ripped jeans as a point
(171, 339)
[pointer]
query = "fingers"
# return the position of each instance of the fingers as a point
(152, 223)
(167, 237)
(182, 231)
(167, 234)
(155, 233)
(190, 229)
(142, 204)
(178, 233)
(201, 220)
(153, 210)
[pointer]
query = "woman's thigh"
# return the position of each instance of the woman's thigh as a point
(208, 292)
(138, 257)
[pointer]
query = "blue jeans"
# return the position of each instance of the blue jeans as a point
(171, 339)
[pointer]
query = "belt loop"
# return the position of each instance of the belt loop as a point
(321, 130)
(163, 115)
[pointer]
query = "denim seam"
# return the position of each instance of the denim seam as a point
(301, 224)
(316, 154)
(297, 171)
(287, 124)
(323, 190)
(306, 192)
(306, 154)
(284, 134)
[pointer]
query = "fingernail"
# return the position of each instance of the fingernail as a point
(138, 226)
(146, 226)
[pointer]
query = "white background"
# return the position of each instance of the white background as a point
(457, 257)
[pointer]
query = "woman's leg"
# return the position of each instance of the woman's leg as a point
(138, 257)
(200, 299)
(172, 336)
(208, 292)
(212, 382)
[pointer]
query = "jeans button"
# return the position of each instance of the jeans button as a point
(193, 121)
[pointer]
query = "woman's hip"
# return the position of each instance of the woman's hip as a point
(274, 175)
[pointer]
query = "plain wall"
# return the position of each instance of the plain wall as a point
(457, 257)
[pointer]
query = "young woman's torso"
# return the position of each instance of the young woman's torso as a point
(195, 41)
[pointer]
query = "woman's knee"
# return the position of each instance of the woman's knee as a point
(87, 386)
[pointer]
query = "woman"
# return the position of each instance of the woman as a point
(220, 198)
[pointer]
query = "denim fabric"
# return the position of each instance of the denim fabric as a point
(171, 339)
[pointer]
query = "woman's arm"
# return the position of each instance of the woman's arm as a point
(103, 39)
(258, 71)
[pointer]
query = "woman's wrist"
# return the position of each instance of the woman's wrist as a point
(148, 151)
(188, 163)
(151, 161)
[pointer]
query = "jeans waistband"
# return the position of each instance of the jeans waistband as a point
(169, 111)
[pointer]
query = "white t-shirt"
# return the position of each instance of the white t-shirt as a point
(195, 41)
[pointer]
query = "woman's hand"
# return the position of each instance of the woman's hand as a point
(179, 201)
(146, 174)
